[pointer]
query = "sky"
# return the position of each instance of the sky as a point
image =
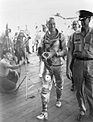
(36, 12)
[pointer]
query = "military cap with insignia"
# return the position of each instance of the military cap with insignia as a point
(83, 14)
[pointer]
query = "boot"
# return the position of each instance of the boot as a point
(43, 115)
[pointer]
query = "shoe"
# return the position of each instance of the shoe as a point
(80, 116)
(58, 104)
(72, 88)
(43, 115)
(29, 52)
(28, 62)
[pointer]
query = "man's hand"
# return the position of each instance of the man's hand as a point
(48, 55)
(68, 74)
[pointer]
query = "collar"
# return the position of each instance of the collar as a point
(84, 32)
(54, 36)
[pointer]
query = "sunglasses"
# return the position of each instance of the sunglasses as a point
(83, 19)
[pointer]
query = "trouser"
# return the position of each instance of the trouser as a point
(19, 55)
(83, 79)
(72, 82)
(47, 86)
(37, 46)
(27, 49)
(33, 48)
(9, 82)
(71, 67)
(41, 66)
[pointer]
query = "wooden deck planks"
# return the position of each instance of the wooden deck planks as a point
(15, 108)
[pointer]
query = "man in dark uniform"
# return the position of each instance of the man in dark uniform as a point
(81, 50)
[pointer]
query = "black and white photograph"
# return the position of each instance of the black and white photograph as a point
(46, 60)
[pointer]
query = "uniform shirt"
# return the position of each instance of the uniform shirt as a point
(82, 45)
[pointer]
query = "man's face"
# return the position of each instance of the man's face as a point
(85, 22)
(75, 26)
(51, 26)
(44, 29)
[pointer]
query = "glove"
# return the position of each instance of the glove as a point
(47, 57)
(50, 55)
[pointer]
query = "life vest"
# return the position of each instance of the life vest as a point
(53, 44)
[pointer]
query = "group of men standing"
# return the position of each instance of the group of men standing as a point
(52, 51)
(79, 64)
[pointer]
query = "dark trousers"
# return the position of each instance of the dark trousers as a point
(83, 79)
(19, 55)
(71, 67)
(27, 49)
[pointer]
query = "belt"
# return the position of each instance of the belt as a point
(57, 65)
(84, 59)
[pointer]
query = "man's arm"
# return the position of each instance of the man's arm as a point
(62, 52)
(69, 56)
(69, 59)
